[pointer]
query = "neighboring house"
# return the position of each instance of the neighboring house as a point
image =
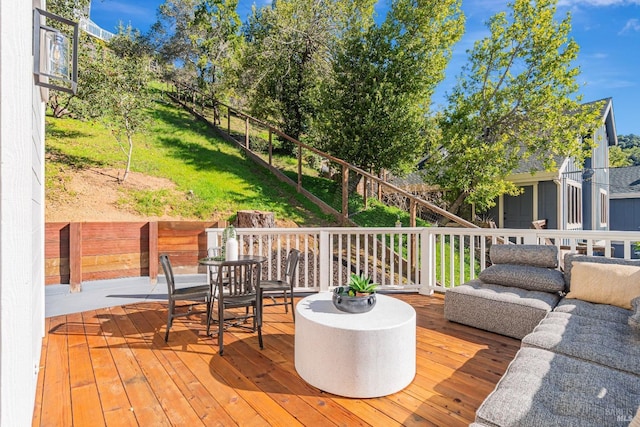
(572, 197)
(624, 186)
(21, 214)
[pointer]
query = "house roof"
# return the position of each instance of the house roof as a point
(624, 180)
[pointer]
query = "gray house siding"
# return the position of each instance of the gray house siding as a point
(625, 198)
(595, 188)
(625, 214)
(548, 203)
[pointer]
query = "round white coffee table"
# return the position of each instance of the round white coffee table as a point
(355, 355)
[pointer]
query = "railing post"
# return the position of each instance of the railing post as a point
(530, 238)
(324, 261)
(427, 262)
(299, 167)
(345, 193)
(366, 192)
(412, 224)
(153, 252)
(75, 257)
(412, 213)
(246, 132)
(270, 147)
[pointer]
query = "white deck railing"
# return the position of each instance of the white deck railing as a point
(423, 259)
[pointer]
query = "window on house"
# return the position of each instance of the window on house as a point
(574, 204)
(604, 208)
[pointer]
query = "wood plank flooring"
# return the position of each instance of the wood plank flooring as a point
(111, 367)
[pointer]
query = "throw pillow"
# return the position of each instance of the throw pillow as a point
(524, 277)
(613, 284)
(535, 255)
(571, 258)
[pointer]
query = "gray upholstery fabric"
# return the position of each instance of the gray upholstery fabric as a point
(606, 312)
(535, 255)
(509, 311)
(570, 258)
(524, 276)
(634, 319)
(610, 344)
(541, 388)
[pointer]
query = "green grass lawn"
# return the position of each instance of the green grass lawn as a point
(212, 176)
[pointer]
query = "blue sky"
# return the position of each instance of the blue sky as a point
(608, 32)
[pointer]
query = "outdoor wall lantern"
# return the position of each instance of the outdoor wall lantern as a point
(55, 57)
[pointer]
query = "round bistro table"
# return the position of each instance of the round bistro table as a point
(360, 355)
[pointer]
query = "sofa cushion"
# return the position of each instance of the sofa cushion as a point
(524, 276)
(541, 388)
(610, 344)
(535, 255)
(613, 284)
(495, 307)
(610, 313)
(571, 257)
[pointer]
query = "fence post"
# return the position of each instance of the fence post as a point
(228, 120)
(246, 132)
(299, 167)
(366, 192)
(75, 256)
(324, 261)
(153, 252)
(345, 193)
(270, 147)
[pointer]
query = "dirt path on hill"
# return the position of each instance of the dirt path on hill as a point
(92, 194)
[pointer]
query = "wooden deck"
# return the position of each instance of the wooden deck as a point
(112, 367)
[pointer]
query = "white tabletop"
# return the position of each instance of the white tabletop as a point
(388, 312)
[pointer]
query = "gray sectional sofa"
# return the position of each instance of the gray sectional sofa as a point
(579, 363)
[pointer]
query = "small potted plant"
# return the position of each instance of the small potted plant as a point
(358, 297)
(360, 285)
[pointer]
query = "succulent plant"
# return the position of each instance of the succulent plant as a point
(358, 283)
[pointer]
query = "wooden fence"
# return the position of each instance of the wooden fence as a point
(81, 251)
(186, 95)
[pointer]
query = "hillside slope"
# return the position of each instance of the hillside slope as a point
(181, 170)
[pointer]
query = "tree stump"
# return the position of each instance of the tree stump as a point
(255, 219)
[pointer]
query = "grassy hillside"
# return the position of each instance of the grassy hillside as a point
(212, 177)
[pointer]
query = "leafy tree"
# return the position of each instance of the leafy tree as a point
(203, 36)
(117, 88)
(515, 100)
(287, 57)
(214, 38)
(618, 158)
(628, 141)
(375, 107)
(170, 35)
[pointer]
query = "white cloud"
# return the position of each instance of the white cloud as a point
(597, 3)
(122, 8)
(597, 55)
(631, 25)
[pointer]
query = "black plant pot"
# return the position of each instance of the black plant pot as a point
(349, 304)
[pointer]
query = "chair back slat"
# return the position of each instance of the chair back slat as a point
(237, 278)
(168, 273)
(292, 263)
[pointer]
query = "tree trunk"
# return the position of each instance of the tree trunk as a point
(455, 207)
(255, 219)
